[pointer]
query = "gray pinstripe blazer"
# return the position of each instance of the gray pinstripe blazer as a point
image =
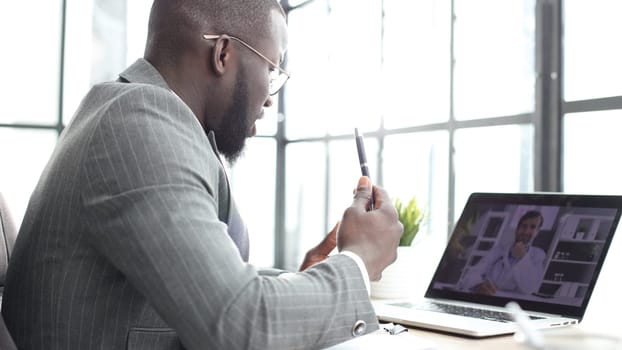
(124, 244)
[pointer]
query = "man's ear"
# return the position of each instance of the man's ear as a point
(221, 55)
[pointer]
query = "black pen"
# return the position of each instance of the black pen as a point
(360, 148)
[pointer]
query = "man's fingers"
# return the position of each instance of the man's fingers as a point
(376, 278)
(363, 193)
(329, 242)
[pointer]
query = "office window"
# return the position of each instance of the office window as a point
(592, 96)
(494, 69)
(95, 47)
(417, 164)
(437, 77)
(391, 75)
(592, 103)
(29, 66)
(592, 140)
(416, 63)
(137, 22)
(30, 61)
(253, 187)
(493, 159)
(79, 43)
(23, 153)
(329, 91)
(306, 209)
(592, 53)
(306, 89)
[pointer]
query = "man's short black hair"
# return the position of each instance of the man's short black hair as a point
(530, 215)
(177, 25)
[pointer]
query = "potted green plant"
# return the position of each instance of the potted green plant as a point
(411, 216)
(397, 280)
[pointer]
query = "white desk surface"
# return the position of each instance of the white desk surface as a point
(580, 339)
(600, 320)
(591, 334)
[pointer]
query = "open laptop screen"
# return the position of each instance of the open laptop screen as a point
(542, 249)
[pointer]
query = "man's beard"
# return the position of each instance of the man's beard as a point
(232, 133)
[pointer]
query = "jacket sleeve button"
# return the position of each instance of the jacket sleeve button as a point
(359, 328)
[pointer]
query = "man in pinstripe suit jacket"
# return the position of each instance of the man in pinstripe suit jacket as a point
(131, 239)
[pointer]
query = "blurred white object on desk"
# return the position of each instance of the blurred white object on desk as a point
(382, 339)
(570, 338)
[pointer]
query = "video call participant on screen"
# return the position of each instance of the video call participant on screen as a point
(516, 267)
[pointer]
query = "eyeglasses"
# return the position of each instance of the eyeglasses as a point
(278, 76)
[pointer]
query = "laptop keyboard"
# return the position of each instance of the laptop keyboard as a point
(499, 316)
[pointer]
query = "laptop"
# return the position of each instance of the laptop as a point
(541, 250)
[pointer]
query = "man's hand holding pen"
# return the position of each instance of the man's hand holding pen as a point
(372, 235)
(370, 227)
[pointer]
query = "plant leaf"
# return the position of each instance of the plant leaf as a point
(411, 217)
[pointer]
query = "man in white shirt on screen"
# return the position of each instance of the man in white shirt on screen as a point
(516, 267)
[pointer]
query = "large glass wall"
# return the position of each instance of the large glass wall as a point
(30, 66)
(592, 119)
(396, 71)
(445, 96)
